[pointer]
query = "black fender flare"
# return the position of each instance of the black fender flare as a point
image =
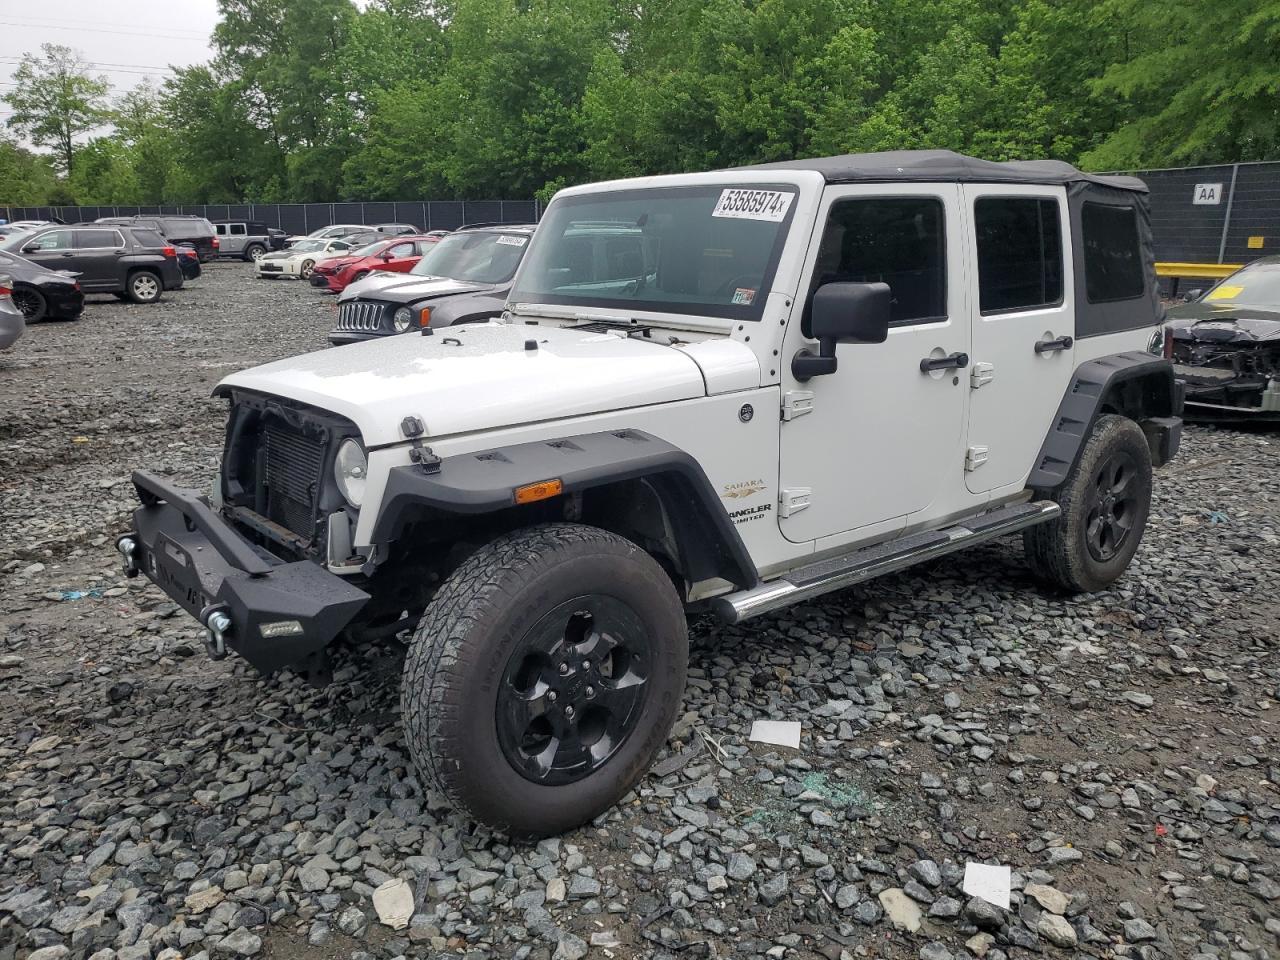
(485, 482)
(1137, 384)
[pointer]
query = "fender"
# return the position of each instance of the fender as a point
(485, 482)
(1137, 384)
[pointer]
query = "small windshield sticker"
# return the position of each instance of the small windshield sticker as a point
(1224, 293)
(753, 204)
(743, 296)
(513, 241)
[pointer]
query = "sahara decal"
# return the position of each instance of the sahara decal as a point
(743, 488)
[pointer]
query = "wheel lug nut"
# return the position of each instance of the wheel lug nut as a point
(564, 669)
(553, 696)
(590, 691)
(568, 712)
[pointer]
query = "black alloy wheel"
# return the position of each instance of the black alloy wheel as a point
(573, 690)
(31, 302)
(1113, 506)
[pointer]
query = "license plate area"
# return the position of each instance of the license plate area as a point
(173, 570)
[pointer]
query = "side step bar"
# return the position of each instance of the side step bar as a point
(836, 573)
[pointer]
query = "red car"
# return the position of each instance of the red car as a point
(396, 254)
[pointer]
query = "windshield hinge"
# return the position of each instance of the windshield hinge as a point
(794, 499)
(980, 374)
(796, 403)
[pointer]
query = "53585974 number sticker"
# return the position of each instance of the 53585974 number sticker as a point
(744, 204)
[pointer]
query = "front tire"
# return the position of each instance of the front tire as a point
(144, 287)
(544, 676)
(305, 270)
(1105, 503)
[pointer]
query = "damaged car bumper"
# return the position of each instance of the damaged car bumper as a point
(271, 612)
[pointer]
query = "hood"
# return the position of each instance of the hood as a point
(1224, 323)
(479, 377)
(400, 290)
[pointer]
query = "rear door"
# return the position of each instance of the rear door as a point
(1023, 351)
(98, 251)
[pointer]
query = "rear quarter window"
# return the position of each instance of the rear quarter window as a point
(148, 238)
(1113, 268)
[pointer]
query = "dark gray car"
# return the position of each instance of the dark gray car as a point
(132, 263)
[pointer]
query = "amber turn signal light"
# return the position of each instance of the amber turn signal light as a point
(424, 319)
(542, 490)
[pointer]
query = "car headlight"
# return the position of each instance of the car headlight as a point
(402, 320)
(1156, 343)
(350, 471)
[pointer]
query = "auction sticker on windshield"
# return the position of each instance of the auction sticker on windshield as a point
(513, 241)
(744, 204)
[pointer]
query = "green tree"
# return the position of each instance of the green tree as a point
(55, 100)
(26, 178)
(1202, 82)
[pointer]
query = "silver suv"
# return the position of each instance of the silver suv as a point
(247, 239)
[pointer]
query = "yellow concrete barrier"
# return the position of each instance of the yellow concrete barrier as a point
(1214, 270)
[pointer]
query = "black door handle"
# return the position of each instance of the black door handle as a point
(68, 254)
(956, 361)
(1049, 346)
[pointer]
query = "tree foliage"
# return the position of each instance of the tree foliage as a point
(401, 99)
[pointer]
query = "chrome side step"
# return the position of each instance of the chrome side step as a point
(835, 573)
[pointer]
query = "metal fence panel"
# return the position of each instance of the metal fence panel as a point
(381, 213)
(1255, 214)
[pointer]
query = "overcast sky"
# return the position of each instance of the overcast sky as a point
(126, 41)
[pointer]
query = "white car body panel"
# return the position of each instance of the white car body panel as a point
(290, 261)
(477, 378)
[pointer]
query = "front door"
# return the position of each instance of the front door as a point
(401, 258)
(881, 439)
(1022, 328)
(53, 250)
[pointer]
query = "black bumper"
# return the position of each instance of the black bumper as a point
(64, 303)
(319, 280)
(280, 612)
(342, 337)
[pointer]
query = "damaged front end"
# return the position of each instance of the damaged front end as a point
(1231, 365)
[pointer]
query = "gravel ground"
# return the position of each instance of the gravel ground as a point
(1118, 751)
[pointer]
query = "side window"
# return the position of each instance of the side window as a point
(1112, 253)
(1019, 253)
(220, 229)
(339, 245)
(900, 241)
(238, 230)
(56, 240)
(402, 250)
(98, 238)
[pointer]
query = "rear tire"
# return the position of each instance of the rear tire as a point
(31, 302)
(544, 676)
(144, 286)
(1105, 503)
(254, 251)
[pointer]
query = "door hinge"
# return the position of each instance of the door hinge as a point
(796, 403)
(981, 373)
(794, 499)
(974, 457)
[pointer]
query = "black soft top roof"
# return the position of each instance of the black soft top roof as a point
(946, 166)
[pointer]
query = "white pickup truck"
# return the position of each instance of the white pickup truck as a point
(727, 391)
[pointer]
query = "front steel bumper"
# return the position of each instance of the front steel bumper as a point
(273, 613)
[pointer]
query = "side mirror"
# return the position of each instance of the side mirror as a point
(1195, 294)
(31, 248)
(842, 313)
(387, 257)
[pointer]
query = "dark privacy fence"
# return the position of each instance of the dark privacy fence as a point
(1236, 220)
(1223, 214)
(305, 217)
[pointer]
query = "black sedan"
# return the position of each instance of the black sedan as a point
(1226, 345)
(42, 294)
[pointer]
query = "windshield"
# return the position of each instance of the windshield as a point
(1257, 285)
(368, 250)
(302, 246)
(479, 257)
(705, 251)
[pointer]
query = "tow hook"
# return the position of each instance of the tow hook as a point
(217, 625)
(128, 548)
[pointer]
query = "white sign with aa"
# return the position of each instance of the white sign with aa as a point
(1207, 193)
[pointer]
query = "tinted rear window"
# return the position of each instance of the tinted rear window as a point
(1112, 253)
(98, 238)
(148, 238)
(188, 228)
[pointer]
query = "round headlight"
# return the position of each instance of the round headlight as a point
(403, 319)
(350, 470)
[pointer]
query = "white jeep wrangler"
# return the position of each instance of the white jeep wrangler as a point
(729, 391)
